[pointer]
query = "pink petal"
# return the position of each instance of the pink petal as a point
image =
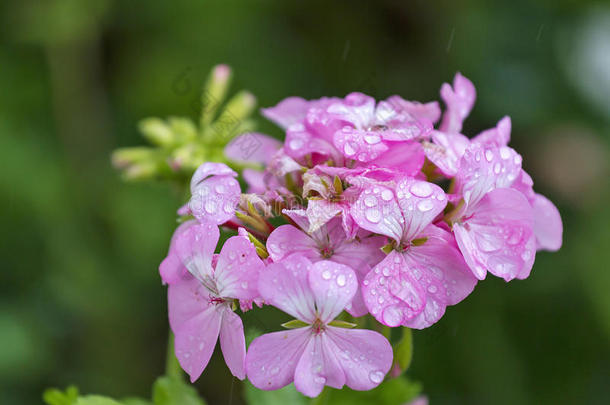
(420, 202)
(446, 151)
(195, 248)
(357, 109)
(359, 145)
(233, 343)
(498, 136)
(377, 210)
(214, 199)
(548, 227)
(364, 355)
(171, 268)
(484, 168)
(498, 236)
(272, 358)
(318, 367)
(430, 111)
(195, 323)
(287, 112)
(285, 285)
(209, 169)
(391, 292)
(252, 147)
(255, 180)
(300, 142)
(407, 157)
(286, 240)
(333, 286)
(446, 275)
(238, 268)
(320, 212)
(459, 100)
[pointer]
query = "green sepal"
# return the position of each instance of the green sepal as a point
(342, 324)
(294, 324)
(403, 350)
(419, 241)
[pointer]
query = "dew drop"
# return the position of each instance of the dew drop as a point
(386, 195)
(372, 139)
(489, 155)
(425, 205)
(274, 370)
(370, 201)
(349, 149)
(504, 152)
(341, 281)
(376, 376)
(421, 189)
(373, 215)
(326, 275)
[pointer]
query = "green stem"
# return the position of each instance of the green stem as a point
(172, 367)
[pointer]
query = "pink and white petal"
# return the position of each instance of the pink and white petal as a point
(377, 210)
(365, 356)
(319, 212)
(215, 199)
(446, 276)
(195, 248)
(255, 180)
(171, 269)
(333, 286)
(285, 285)
(318, 367)
(485, 168)
(420, 202)
(186, 299)
(287, 239)
(210, 169)
(233, 343)
(525, 185)
(356, 108)
(391, 293)
(430, 111)
(287, 112)
(459, 100)
(432, 313)
(361, 255)
(498, 136)
(406, 157)
(252, 147)
(358, 144)
(498, 236)
(238, 268)
(548, 227)
(446, 151)
(301, 142)
(272, 358)
(195, 340)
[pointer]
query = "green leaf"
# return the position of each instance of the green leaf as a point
(403, 351)
(135, 401)
(174, 391)
(396, 391)
(284, 396)
(53, 396)
(96, 400)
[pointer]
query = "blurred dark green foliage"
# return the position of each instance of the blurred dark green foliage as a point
(81, 301)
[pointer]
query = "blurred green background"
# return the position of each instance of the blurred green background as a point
(81, 300)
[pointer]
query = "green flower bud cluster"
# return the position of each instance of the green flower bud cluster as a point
(179, 145)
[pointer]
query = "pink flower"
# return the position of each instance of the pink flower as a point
(200, 301)
(459, 100)
(425, 272)
(494, 229)
(368, 130)
(318, 354)
(329, 242)
(214, 193)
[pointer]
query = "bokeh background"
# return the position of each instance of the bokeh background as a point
(80, 297)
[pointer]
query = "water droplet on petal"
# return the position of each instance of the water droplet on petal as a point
(376, 376)
(349, 149)
(386, 195)
(370, 201)
(421, 189)
(489, 155)
(425, 205)
(373, 215)
(341, 281)
(326, 275)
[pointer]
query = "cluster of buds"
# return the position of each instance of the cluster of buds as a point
(377, 214)
(180, 145)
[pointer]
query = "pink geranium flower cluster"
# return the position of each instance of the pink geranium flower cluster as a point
(368, 207)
